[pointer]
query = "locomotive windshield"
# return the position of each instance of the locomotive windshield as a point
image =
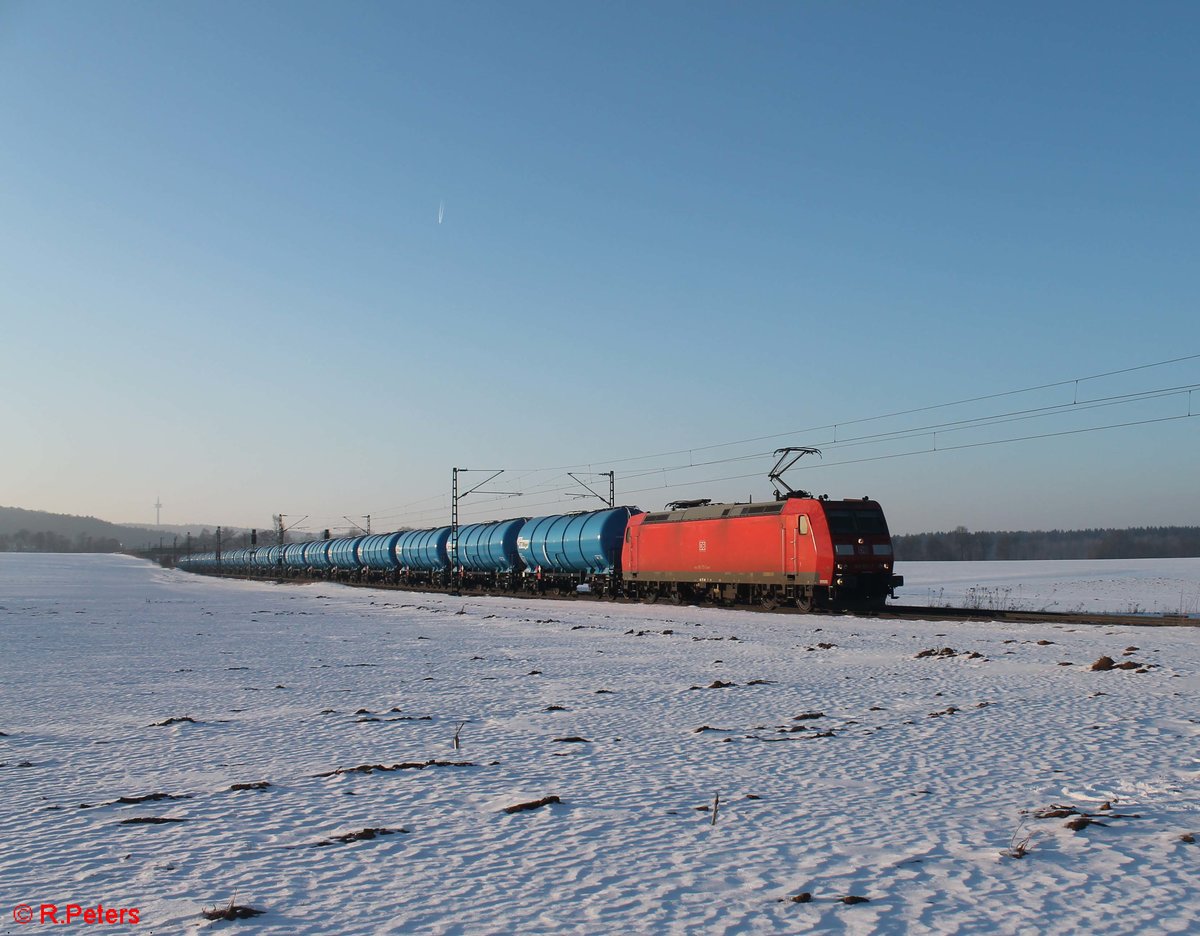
(857, 522)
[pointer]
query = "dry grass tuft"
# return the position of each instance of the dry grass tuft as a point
(535, 804)
(1018, 844)
(230, 911)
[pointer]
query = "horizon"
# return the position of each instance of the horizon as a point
(339, 532)
(301, 259)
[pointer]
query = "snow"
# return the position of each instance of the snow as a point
(929, 768)
(1118, 586)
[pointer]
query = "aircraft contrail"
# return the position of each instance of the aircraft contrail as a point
(441, 210)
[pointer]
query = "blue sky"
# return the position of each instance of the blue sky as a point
(666, 226)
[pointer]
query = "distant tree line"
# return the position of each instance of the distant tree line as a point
(1137, 543)
(959, 544)
(43, 541)
(206, 540)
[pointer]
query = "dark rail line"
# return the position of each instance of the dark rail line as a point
(890, 612)
(919, 612)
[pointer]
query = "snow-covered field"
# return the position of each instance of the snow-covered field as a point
(845, 764)
(1118, 586)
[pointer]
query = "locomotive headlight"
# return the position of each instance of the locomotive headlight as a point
(840, 566)
(840, 581)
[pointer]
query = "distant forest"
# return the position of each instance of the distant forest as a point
(1136, 543)
(40, 531)
(45, 541)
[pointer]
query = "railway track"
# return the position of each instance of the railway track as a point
(918, 612)
(889, 612)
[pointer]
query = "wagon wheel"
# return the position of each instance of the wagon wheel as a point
(768, 602)
(804, 602)
(651, 596)
(676, 598)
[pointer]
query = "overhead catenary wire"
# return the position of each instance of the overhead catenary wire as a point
(981, 422)
(923, 431)
(1071, 381)
(541, 493)
(948, 448)
(831, 426)
(483, 509)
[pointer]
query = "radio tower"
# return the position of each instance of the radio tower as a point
(158, 511)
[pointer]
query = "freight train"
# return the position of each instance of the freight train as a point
(801, 551)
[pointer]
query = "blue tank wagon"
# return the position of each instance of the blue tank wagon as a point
(377, 555)
(344, 558)
(487, 554)
(316, 556)
(233, 561)
(268, 558)
(293, 558)
(565, 551)
(422, 555)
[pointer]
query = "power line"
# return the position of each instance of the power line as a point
(931, 451)
(1072, 381)
(549, 487)
(924, 431)
(891, 415)
(980, 422)
(482, 506)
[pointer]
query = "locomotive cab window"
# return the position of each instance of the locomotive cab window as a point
(856, 522)
(840, 521)
(870, 522)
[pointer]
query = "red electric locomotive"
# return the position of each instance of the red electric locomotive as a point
(808, 551)
(803, 550)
